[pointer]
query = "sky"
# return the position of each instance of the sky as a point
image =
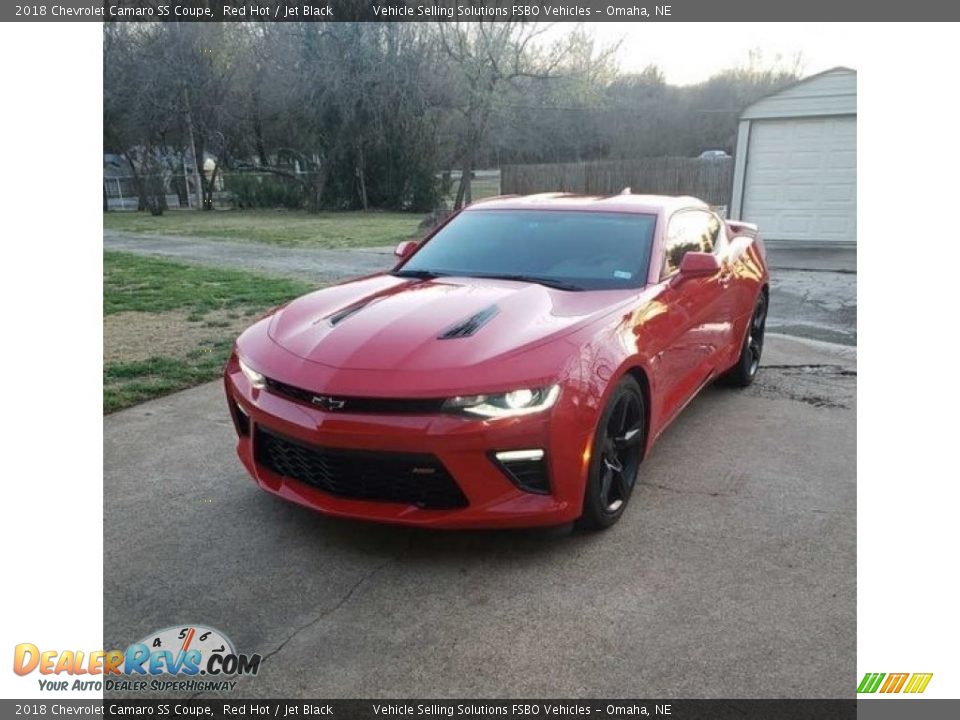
(692, 52)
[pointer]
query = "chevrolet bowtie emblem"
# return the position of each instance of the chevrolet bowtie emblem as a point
(325, 402)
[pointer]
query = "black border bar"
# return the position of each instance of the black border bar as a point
(446, 708)
(473, 10)
(747, 709)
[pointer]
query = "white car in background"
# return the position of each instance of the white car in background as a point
(713, 155)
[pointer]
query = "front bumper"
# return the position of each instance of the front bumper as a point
(464, 446)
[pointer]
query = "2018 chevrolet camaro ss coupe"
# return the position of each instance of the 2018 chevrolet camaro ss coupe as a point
(512, 370)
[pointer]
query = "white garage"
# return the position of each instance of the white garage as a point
(796, 162)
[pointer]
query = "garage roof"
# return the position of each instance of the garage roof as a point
(832, 92)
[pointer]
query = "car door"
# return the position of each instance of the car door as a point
(696, 316)
(728, 303)
(745, 266)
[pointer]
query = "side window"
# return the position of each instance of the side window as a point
(688, 231)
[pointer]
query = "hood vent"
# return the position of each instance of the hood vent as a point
(341, 315)
(468, 327)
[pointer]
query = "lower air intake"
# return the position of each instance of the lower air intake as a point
(411, 479)
(530, 475)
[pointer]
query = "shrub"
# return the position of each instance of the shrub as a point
(259, 190)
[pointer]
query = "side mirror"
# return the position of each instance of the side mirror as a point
(405, 249)
(699, 264)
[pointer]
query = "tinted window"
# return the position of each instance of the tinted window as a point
(590, 250)
(688, 230)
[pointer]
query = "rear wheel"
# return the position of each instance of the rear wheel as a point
(615, 459)
(744, 372)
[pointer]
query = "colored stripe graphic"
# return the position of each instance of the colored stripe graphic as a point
(918, 682)
(894, 682)
(870, 682)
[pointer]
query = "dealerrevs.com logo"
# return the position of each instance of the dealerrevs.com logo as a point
(182, 658)
(894, 683)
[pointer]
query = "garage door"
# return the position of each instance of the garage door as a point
(801, 179)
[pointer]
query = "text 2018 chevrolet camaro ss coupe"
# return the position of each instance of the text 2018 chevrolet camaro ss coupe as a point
(512, 370)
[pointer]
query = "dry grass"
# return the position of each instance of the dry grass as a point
(138, 336)
(290, 228)
(168, 326)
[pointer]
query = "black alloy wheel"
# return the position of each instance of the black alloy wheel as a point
(758, 325)
(617, 452)
(744, 372)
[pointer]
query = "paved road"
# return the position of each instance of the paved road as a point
(814, 304)
(816, 257)
(312, 264)
(731, 575)
(813, 292)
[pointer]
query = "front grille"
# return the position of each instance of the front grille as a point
(408, 478)
(289, 391)
(338, 403)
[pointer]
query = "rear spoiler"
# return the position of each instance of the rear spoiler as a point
(738, 227)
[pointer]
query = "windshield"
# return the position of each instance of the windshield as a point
(571, 250)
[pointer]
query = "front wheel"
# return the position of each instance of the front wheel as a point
(616, 454)
(744, 372)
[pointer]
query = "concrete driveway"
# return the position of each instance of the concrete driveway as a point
(732, 573)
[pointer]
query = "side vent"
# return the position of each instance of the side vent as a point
(468, 327)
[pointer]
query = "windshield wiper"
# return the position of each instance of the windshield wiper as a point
(418, 274)
(546, 282)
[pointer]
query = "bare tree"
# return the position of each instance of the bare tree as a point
(364, 115)
(488, 61)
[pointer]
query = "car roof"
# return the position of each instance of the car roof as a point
(624, 202)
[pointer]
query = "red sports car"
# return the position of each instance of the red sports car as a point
(512, 370)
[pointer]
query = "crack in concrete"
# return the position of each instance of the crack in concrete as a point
(817, 401)
(834, 368)
(787, 381)
(351, 591)
(679, 491)
(327, 613)
(836, 271)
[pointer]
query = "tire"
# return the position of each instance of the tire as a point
(743, 373)
(616, 455)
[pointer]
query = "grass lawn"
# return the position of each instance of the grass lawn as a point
(168, 326)
(291, 228)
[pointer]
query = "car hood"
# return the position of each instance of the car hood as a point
(389, 323)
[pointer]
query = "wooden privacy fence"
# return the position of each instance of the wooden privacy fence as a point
(709, 180)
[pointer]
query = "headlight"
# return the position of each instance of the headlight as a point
(517, 402)
(256, 379)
